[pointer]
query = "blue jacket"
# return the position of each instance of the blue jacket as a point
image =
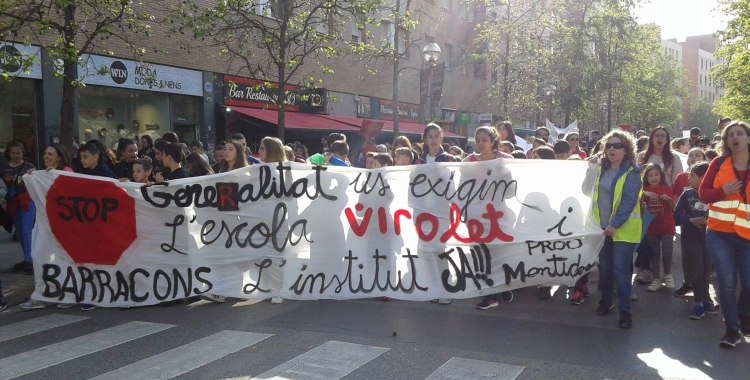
(441, 157)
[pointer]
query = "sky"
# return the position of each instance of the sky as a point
(681, 18)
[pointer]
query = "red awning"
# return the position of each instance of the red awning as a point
(297, 120)
(403, 126)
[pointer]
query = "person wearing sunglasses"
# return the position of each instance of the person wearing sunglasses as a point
(614, 183)
(575, 144)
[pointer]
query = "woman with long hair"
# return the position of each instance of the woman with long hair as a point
(505, 132)
(19, 204)
(271, 150)
(197, 165)
(127, 153)
(147, 148)
(614, 183)
(659, 151)
(432, 136)
(234, 157)
(56, 157)
(725, 189)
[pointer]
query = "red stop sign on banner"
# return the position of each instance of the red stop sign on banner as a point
(94, 221)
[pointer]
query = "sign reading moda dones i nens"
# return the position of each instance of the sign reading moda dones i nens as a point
(139, 75)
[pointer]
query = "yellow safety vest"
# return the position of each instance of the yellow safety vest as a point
(631, 230)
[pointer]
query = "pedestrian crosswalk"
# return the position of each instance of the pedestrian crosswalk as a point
(330, 360)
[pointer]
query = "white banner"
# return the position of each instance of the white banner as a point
(301, 232)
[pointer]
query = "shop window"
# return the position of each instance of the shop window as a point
(18, 116)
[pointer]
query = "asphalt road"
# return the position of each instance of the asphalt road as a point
(364, 339)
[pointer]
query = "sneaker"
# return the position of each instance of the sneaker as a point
(745, 324)
(88, 307)
(213, 298)
(577, 298)
(544, 293)
(277, 300)
(684, 290)
(697, 312)
(32, 304)
(28, 268)
(487, 303)
(710, 308)
(603, 309)
(633, 297)
(730, 339)
(626, 321)
(18, 267)
(444, 301)
(669, 281)
(644, 276)
(655, 285)
(506, 296)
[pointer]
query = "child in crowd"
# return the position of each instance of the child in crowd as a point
(691, 214)
(659, 200)
(382, 160)
(339, 150)
(403, 156)
(142, 170)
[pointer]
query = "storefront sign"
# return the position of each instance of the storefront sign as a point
(463, 118)
(253, 93)
(116, 72)
(22, 61)
(406, 111)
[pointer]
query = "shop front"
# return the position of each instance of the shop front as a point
(20, 78)
(129, 99)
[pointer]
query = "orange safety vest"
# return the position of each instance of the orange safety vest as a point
(730, 214)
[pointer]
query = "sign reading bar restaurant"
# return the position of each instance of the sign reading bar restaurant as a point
(253, 93)
(116, 72)
(444, 230)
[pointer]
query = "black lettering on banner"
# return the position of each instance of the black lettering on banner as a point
(307, 282)
(366, 187)
(482, 261)
(250, 288)
(178, 221)
(545, 246)
(559, 268)
(467, 191)
(84, 209)
(198, 196)
(78, 281)
(52, 287)
(559, 224)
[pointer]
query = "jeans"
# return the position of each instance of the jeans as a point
(23, 221)
(661, 247)
(616, 268)
(730, 255)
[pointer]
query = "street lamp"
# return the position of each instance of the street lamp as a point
(430, 54)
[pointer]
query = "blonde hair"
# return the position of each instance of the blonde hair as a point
(626, 139)
(274, 149)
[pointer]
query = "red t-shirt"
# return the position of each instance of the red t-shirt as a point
(663, 223)
(680, 183)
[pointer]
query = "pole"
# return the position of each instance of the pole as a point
(428, 114)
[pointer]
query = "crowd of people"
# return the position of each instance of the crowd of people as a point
(639, 187)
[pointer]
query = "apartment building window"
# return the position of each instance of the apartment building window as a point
(268, 8)
(448, 56)
(464, 62)
(387, 33)
(356, 34)
(480, 64)
(446, 5)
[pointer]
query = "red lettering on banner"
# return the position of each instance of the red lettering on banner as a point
(475, 227)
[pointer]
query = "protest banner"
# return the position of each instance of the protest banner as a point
(313, 232)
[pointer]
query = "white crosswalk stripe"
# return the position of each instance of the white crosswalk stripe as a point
(188, 357)
(53, 354)
(460, 368)
(330, 360)
(33, 326)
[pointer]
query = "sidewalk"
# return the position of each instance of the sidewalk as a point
(16, 287)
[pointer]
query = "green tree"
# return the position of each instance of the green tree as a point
(69, 29)
(272, 40)
(733, 72)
